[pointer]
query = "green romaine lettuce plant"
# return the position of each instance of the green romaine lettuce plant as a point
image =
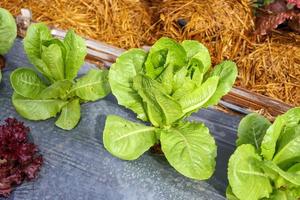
(8, 32)
(163, 87)
(266, 163)
(56, 89)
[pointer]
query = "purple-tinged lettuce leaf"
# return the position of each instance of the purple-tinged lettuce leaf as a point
(272, 15)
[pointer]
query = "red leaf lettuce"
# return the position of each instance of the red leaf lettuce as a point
(271, 15)
(18, 157)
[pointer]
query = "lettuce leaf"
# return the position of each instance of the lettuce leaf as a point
(8, 31)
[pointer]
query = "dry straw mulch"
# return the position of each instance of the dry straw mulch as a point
(273, 68)
(267, 65)
(221, 25)
(117, 22)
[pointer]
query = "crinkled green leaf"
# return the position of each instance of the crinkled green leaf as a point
(289, 133)
(296, 192)
(246, 178)
(58, 90)
(196, 75)
(125, 139)
(292, 177)
(193, 47)
(41, 66)
(169, 52)
(179, 78)
(121, 75)
(292, 116)
(35, 35)
(58, 42)
(288, 146)
(295, 168)
(229, 194)
(268, 146)
(53, 58)
(283, 195)
(37, 109)
(227, 73)
(186, 88)
(8, 31)
(156, 63)
(198, 54)
(282, 182)
(190, 149)
(252, 129)
(70, 115)
(26, 82)
(196, 99)
(166, 79)
(161, 108)
(92, 86)
(75, 53)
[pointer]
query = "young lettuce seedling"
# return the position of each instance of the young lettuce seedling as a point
(58, 62)
(266, 163)
(8, 32)
(164, 87)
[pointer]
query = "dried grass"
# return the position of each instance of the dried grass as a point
(117, 22)
(273, 68)
(221, 25)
